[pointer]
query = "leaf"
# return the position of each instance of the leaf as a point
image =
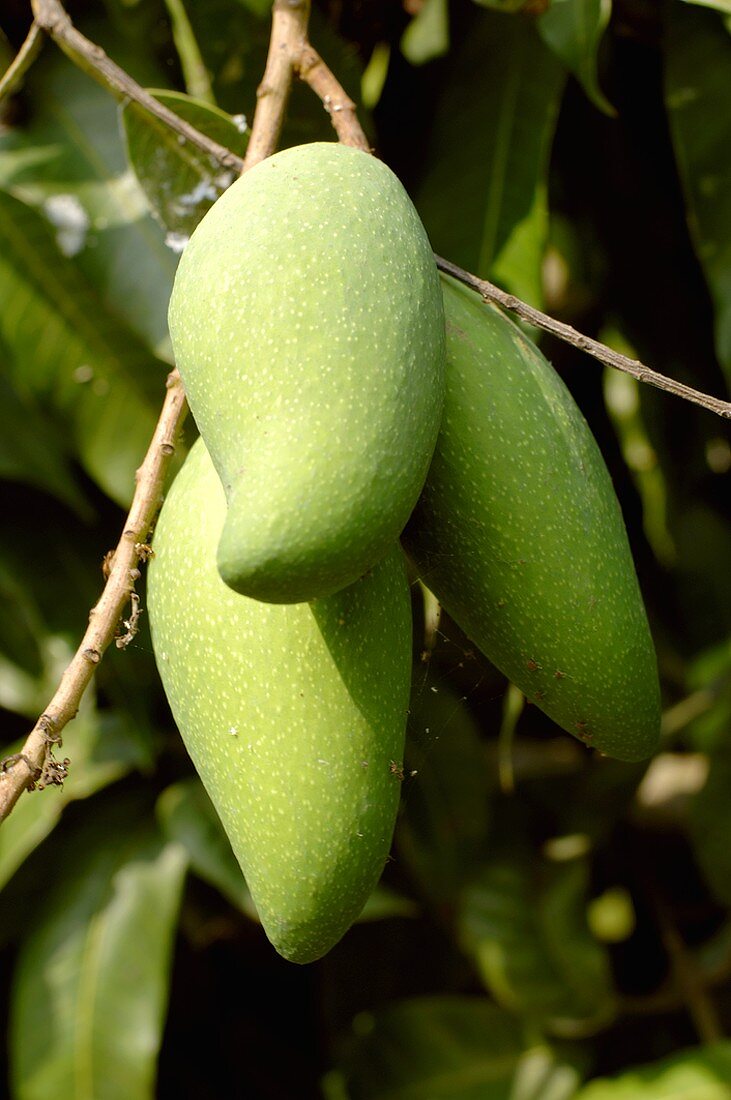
(181, 182)
(188, 818)
(448, 1048)
(573, 30)
(708, 707)
(724, 6)
(68, 161)
(483, 199)
(427, 35)
(92, 976)
(508, 6)
(99, 753)
(526, 926)
(72, 355)
(697, 83)
(710, 823)
(31, 446)
(446, 803)
(700, 1074)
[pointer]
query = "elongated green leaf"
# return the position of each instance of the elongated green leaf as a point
(427, 35)
(67, 159)
(531, 942)
(74, 356)
(697, 89)
(187, 817)
(92, 976)
(31, 446)
(449, 1048)
(483, 199)
(573, 30)
(181, 182)
(701, 1074)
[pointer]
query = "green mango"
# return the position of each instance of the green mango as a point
(308, 327)
(294, 716)
(519, 534)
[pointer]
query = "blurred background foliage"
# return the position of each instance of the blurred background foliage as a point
(553, 925)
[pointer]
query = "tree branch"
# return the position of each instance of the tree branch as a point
(289, 26)
(290, 53)
(28, 52)
(35, 764)
(491, 293)
(310, 67)
(51, 16)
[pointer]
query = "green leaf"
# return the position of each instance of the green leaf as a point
(707, 709)
(448, 1048)
(573, 30)
(446, 803)
(697, 82)
(427, 35)
(508, 6)
(710, 826)
(92, 976)
(234, 40)
(31, 446)
(180, 181)
(68, 161)
(700, 1074)
(483, 199)
(100, 753)
(525, 923)
(72, 355)
(724, 6)
(188, 818)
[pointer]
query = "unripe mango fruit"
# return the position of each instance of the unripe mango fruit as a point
(519, 534)
(294, 716)
(308, 327)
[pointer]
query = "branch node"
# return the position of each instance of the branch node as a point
(10, 762)
(132, 623)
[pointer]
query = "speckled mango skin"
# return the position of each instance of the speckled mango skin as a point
(292, 715)
(308, 327)
(519, 534)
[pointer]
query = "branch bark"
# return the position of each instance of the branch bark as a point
(12, 78)
(491, 293)
(35, 763)
(291, 54)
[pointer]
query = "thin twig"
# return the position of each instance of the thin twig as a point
(291, 53)
(24, 769)
(52, 17)
(289, 25)
(569, 335)
(12, 78)
(303, 60)
(310, 67)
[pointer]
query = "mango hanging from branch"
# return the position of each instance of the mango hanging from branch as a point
(294, 716)
(308, 328)
(519, 534)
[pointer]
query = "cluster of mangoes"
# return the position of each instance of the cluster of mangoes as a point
(347, 396)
